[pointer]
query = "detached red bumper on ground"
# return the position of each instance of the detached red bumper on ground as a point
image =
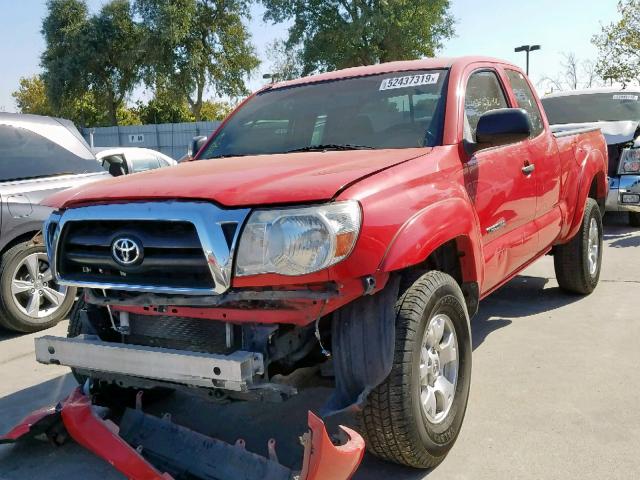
(80, 419)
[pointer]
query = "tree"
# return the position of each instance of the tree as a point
(574, 74)
(619, 45)
(31, 96)
(335, 34)
(286, 61)
(213, 110)
(61, 29)
(164, 108)
(112, 56)
(99, 54)
(196, 45)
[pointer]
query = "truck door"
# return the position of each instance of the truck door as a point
(503, 190)
(544, 157)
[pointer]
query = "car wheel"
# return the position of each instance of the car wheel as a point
(30, 299)
(413, 418)
(634, 219)
(578, 262)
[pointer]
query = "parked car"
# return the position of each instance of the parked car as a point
(616, 112)
(124, 160)
(354, 218)
(38, 156)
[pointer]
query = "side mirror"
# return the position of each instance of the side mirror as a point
(502, 127)
(196, 144)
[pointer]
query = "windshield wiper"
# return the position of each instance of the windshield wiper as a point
(230, 155)
(330, 146)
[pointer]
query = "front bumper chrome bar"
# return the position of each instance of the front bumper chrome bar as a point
(230, 372)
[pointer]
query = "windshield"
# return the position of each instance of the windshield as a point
(393, 110)
(593, 107)
(56, 150)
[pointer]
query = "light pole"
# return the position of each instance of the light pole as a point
(527, 48)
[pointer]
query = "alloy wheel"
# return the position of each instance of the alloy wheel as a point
(439, 363)
(33, 288)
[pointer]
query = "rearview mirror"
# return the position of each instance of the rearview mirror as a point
(502, 127)
(196, 144)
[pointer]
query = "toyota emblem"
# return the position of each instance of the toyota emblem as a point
(126, 251)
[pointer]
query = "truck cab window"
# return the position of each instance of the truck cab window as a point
(526, 100)
(483, 93)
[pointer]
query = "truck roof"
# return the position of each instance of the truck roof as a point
(400, 66)
(590, 91)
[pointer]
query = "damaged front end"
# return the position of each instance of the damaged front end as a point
(146, 447)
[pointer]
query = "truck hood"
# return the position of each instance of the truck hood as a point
(614, 132)
(244, 181)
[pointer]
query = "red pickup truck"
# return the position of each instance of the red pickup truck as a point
(345, 224)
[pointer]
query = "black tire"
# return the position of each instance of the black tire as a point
(11, 315)
(395, 426)
(571, 260)
(634, 219)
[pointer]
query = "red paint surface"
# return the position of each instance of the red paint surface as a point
(326, 461)
(97, 436)
(322, 460)
(24, 426)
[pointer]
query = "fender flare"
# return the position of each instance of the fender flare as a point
(433, 226)
(590, 171)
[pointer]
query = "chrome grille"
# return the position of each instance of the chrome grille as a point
(188, 246)
(173, 255)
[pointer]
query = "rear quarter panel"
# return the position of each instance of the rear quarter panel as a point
(584, 160)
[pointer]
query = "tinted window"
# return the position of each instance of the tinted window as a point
(483, 93)
(393, 110)
(593, 107)
(25, 154)
(526, 99)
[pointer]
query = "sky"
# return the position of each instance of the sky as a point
(483, 27)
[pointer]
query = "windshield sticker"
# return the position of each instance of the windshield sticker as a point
(626, 97)
(409, 81)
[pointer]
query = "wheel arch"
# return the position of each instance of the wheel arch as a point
(593, 185)
(451, 246)
(35, 235)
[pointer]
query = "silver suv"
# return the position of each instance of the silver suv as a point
(38, 156)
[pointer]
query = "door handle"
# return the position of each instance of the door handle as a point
(528, 169)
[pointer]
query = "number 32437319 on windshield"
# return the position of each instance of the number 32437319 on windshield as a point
(409, 81)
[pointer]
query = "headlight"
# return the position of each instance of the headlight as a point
(629, 161)
(296, 241)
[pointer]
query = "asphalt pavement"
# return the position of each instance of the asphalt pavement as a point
(554, 393)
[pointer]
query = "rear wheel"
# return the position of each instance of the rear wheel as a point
(634, 219)
(414, 417)
(30, 299)
(577, 263)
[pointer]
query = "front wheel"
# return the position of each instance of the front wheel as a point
(634, 219)
(30, 299)
(413, 418)
(577, 263)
